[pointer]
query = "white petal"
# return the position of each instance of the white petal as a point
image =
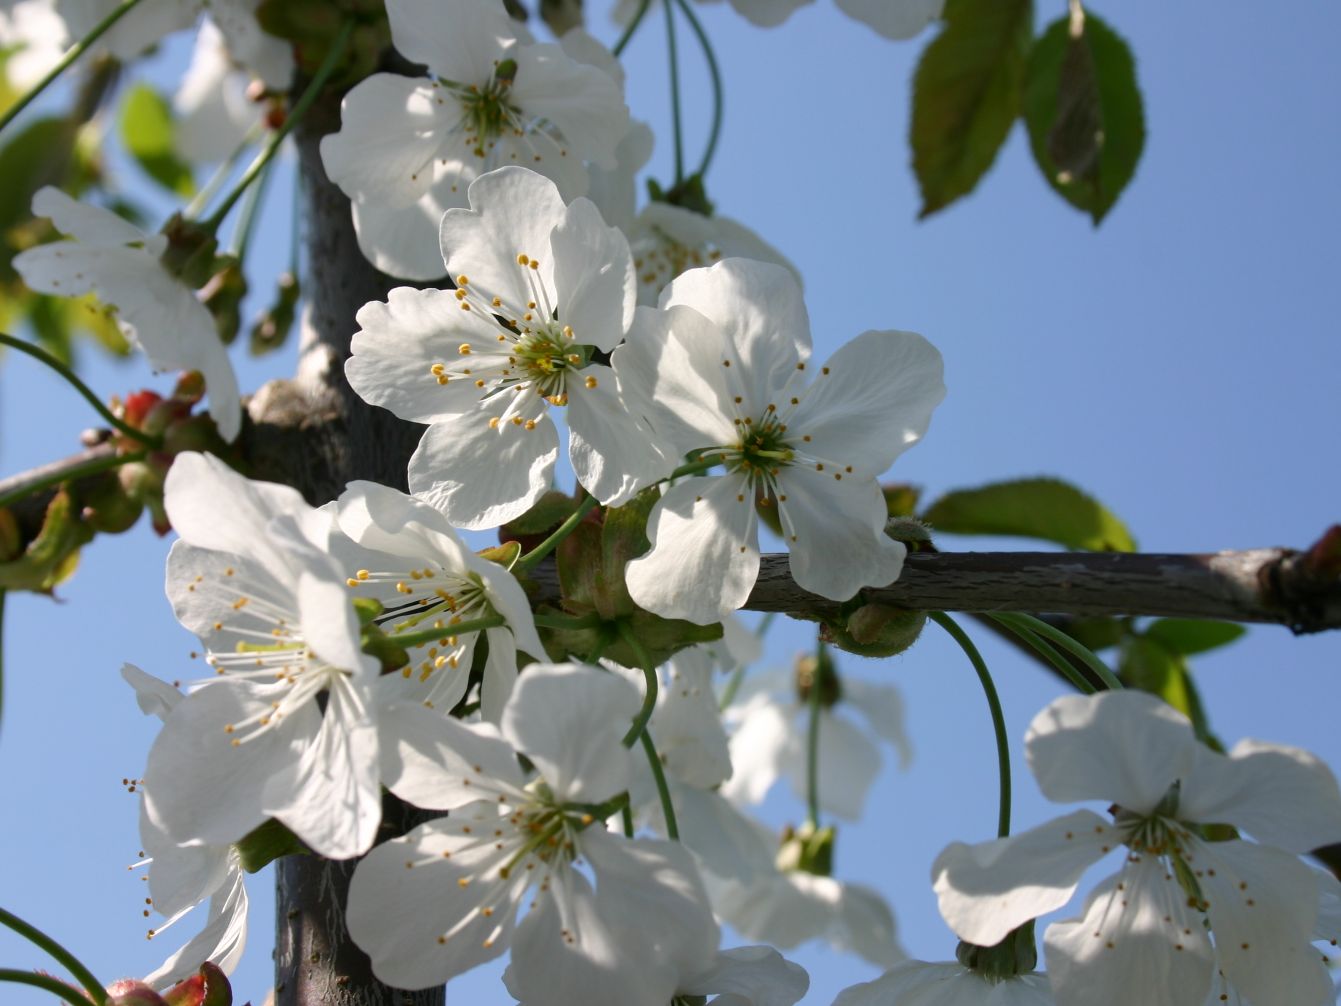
(916, 983)
(482, 477)
(688, 729)
(705, 551)
(760, 975)
(1126, 747)
(593, 277)
(89, 224)
(180, 876)
(896, 19)
(221, 941)
(865, 926)
(405, 894)
(398, 343)
(213, 507)
(513, 211)
(882, 707)
(759, 307)
(614, 452)
(583, 101)
(759, 749)
(570, 719)
(200, 786)
(1137, 942)
(872, 400)
(402, 241)
(1262, 907)
(988, 889)
(434, 761)
(154, 696)
(724, 840)
(1280, 795)
(331, 798)
(834, 523)
(767, 13)
(650, 893)
(849, 763)
(500, 674)
(456, 39)
(391, 129)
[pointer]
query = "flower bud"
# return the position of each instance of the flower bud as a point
(876, 630)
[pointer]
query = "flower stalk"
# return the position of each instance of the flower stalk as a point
(69, 961)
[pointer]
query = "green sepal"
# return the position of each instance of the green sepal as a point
(272, 328)
(11, 542)
(222, 295)
(900, 499)
(807, 849)
(390, 654)
(504, 555)
(1016, 954)
(191, 251)
(367, 609)
(53, 554)
(532, 527)
(266, 843)
(690, 194)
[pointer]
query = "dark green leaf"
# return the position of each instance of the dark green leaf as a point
(1043, 508)
(1082, 106)
(1187, 636)
(149, 135)
(40, 154)
(966, 94)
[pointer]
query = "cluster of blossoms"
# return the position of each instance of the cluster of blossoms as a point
(361, 647)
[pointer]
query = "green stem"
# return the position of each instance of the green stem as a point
(738, 675)
(408, 639)
(247, 219)
(1052, 655)
(1072, 646)
(633, 26)
(299, 109)
(74, 52)
(715, 72)
(69, 961)
(626, 818)
(215, 182)
(90, 467)
(812, 742)
(998, 718)
(663, 791)
(693, 468)
(2, 654)
(37, 353)
(547, 546)
(53, 985)
(649, 681)
(674, 60)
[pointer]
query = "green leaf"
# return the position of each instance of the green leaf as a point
(38, 155)
(1043, 508)
(1082, 107)
(966, 94)
(1187, 636)
(149, 135)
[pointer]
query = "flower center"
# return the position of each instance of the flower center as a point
(762, 451)
(486, 111)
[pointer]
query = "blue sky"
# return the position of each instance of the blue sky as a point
(1180, 363)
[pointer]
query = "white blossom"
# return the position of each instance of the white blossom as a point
(446, 896)
(1182, 906)
(409, 147)
(727, 357)
(120, 263)
(918, 983)
(562, 283)
(894, 19)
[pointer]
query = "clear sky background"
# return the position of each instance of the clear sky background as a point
(1180, 363)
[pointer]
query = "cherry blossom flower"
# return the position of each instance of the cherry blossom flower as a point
(446, 896)
(136, 32)
(918, 983)
(409, 147)
(543, 290)
(727, 357)
(273, 609)
(769, 740)
(1182, 905)
(425, 576)
(120, 263)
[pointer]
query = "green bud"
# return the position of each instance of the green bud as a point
(876, 630)
(190, 254)
(222, 296)
(909, 530)
(272, 328)
(811, 672)
(209, 987)
(506, 71)
(806, 849)
(1014, 955)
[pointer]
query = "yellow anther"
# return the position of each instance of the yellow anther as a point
(443, 378)
(516, 420)
(465, 306)
(574, 359)
(479, 382)
(534, 264)
(464, 349)
(530, 424)
(497, 302)
(463, 882)
(568, 332)
(493, 423)
(460, 295)
(351, 582)
(437, 368)
(462, 281)
(363, 574)
(522, 260)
